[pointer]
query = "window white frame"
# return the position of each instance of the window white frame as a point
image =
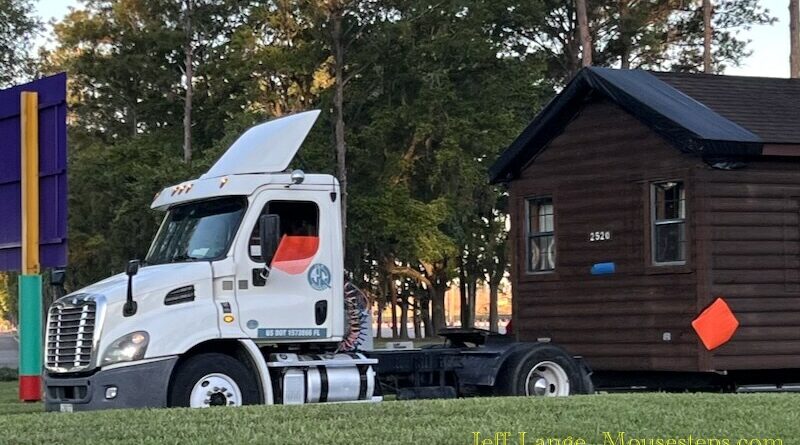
(679, 221)
(548, 264)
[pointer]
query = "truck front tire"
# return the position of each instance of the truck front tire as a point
(542, 370)
(213, 379)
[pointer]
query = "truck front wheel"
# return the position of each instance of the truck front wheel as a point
(543, 370)
(213, 379)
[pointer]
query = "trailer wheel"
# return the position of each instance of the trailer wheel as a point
(542, 371)
(213, 379)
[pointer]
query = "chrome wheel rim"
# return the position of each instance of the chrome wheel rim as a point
(547, 379)
(215, 390)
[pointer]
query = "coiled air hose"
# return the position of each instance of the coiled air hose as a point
(356, 318)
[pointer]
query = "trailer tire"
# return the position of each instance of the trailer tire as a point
(213, 379)
(542, 370)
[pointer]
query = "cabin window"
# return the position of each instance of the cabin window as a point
(541, 235)
(299, 225)
(669, 222)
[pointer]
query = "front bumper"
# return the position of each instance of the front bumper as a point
(139, 385)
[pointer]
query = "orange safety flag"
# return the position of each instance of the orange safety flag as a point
(295, 253)
(716, 324)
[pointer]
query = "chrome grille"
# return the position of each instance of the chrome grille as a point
(70, 334)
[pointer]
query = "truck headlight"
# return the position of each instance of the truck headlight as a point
(126, 348)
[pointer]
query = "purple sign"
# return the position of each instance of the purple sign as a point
(52, 173)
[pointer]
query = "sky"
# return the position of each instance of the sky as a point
(769, 43)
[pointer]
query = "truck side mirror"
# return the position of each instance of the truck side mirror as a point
(132, 268)
(130, 305)
(58, 277)
(269, 232)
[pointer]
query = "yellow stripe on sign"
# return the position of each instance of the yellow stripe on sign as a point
(29, 107)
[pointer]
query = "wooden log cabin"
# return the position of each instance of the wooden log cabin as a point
(637, 198)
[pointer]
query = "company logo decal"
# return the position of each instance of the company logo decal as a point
(319, 277)
(252, 324)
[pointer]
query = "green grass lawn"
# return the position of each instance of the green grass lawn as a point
(641, 416)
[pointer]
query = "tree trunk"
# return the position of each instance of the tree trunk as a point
(625, 41)
(393, 300)
(572, 51)
(707, 36)
(464, 293)
(425, 313)
(417, 319)
(794, 36)
(404, 317)
(472, 291)
(379, 331)
(134, 119)
(189, 72)
(338, 107)
(586, 38)
(625, 57)
(493, 317)
(395, 327)
(437, 307)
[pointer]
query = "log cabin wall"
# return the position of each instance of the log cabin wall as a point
(599, 173)
(756, 245)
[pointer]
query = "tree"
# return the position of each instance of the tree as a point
(337, 10)
(117, 87)
(343, 22)
(497, 258)
(794, 37)
(708, 33)
(729, 18)
(18, 28)
(586, 38)
(126, 64)
(9, 299)
(657, 34)
(188, 71)
(425, 120)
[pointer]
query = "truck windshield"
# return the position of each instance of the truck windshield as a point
(198, 231)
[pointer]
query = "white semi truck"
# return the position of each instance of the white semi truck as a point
(242, 300)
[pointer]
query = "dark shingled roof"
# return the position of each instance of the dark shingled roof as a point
(769, 107)
(710, 115)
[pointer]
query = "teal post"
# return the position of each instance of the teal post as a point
(30, 325)
(30, 337)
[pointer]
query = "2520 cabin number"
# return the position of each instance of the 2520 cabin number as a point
(600, 236)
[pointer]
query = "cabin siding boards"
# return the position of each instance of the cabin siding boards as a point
(743, 244)
(755, 261)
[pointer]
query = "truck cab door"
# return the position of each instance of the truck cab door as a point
(291, 303)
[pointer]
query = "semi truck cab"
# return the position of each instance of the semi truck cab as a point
(241, 299)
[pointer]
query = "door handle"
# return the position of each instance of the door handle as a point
(258, 278)
(321, 311)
